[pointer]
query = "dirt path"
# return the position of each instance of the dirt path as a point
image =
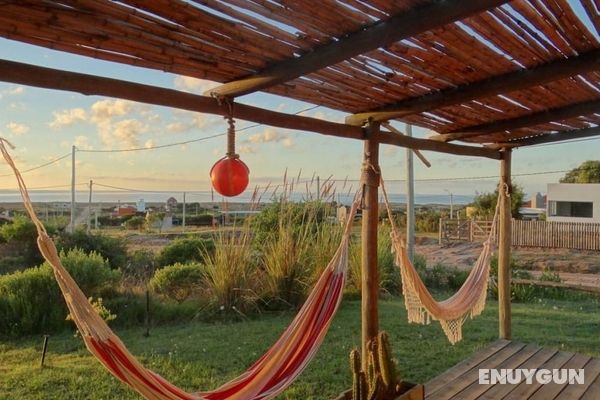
(574, 266)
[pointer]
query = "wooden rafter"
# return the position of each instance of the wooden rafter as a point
(506, 125)
(85, 84)
(550, 138)
(398, 27)
(505, 83)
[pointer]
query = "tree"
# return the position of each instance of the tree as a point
(588, 172)
(485, 203)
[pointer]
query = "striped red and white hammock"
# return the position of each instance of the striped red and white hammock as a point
(269, 376)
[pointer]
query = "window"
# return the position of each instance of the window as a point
(578, 209)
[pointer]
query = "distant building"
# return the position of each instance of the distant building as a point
(171, 204)
(574, 202)
(124, 211)
(141, 205)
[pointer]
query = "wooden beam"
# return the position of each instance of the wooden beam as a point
(48, 78)
(504, 246)
(417, 152)
(505, 83)
(506, 125)
(550, 138)
(370, 222)
(433, 145)
(398, 27)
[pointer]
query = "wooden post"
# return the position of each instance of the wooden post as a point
(504, 245)
(89, 217)
(370, 217)
(410, 200)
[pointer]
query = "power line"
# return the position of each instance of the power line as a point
(40, 166)
(186, 141)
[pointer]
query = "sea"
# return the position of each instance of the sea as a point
(132, 197)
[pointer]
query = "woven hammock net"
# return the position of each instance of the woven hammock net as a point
(265, 379)
(467, 302)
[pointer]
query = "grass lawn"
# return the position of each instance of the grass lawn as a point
(201, 356)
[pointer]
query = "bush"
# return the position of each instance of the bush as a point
(135, 223)
(30, 300)
(185, 250)
(91, 272)
(112, 249)
(199, 220)
(178, 281)
(30, 303)
(23, 234)
(10, 264)
(140, 265)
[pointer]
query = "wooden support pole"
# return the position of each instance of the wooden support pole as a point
(370, 219)
(504, 246)
(410, 200)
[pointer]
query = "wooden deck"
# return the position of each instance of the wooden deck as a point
(461, 381)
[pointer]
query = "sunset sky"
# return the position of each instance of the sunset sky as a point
(44, 124)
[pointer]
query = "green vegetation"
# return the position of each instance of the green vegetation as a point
(178, 282)
(110, 248)
(21, 236)
(30, 301)
(185, 250)
(485, 203)
(587, 172)
(200, 356)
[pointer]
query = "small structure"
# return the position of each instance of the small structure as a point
(141, 206)
(124, 210)
(171, 204)
(574, 202)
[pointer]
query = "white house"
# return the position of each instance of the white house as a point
(573, 202)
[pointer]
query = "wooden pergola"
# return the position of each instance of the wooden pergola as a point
(491, 74)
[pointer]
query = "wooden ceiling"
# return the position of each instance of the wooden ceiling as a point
(479, 71)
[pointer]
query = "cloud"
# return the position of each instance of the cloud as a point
(17, 129)
(288, 143)
(266, 136)
(149, 143)
(14, 91)
(178, 127)
(246, 150)
(194, 85)
(68, 117)
(82, 143)
(104, 111)
(125, 133)
(390, 151)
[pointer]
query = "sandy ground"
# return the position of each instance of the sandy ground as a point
(574, 266)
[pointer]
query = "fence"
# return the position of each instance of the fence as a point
(566, 235)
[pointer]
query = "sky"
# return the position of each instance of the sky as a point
(44, 124)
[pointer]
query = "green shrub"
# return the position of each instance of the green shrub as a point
(10, 264)
(199, 220)
(30, 300)
(178, 281)
(140, 265)
(23, 235)
(91, 272)
(185, 250)
(30, 303)
(112, 249)
(135, 223)
(457, 278)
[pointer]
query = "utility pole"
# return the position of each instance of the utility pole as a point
(410, 199)
(183, 218)
(72, 225)
(89, 217)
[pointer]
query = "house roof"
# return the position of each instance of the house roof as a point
(484, 72)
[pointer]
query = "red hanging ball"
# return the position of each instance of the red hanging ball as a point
(229, 176)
